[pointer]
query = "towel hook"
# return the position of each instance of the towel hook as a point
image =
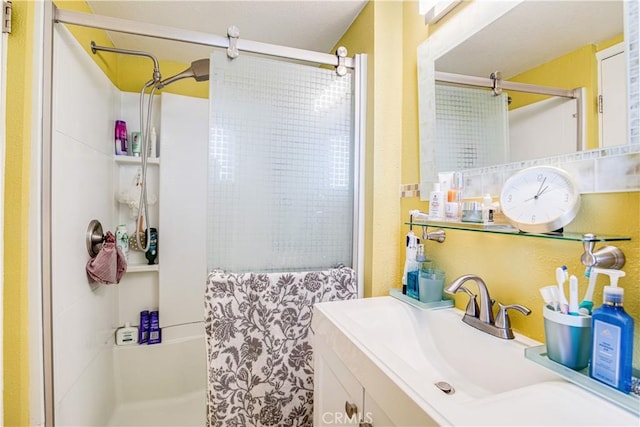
(95, 238)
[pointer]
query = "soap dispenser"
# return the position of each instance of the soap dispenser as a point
(612, 337)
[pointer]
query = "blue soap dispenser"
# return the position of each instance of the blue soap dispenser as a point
(612, 333)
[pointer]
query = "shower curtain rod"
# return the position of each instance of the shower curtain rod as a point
(504, 84)
(196, 37)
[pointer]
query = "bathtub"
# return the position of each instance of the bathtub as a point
(162, 384)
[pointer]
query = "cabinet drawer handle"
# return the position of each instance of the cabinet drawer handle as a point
(350, 408)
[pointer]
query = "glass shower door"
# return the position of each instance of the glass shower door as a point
(280, 193)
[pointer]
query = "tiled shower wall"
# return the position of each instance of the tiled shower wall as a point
(84, 315)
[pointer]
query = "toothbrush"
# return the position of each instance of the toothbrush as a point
(550, 296)
(573, 295)
(560, 278)
(587, 302)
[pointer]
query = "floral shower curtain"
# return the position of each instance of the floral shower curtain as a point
(259, 352)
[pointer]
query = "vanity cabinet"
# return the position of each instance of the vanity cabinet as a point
(336, 392)
(339, 398)
(342, 384)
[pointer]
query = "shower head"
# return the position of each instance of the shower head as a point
(199, 70)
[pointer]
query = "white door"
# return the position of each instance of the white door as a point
(612, 99)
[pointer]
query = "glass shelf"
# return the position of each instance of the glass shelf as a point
(507, 229)
(134, 160)
(630, 402)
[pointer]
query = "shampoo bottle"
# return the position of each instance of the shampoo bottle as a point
(155, 333)
(143, 336)
(121, 138)
(135, 143)
(122, 239)
(612, 333)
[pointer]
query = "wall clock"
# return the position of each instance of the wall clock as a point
(540, 199)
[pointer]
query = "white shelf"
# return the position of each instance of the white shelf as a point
(133, 160)
(141, 268)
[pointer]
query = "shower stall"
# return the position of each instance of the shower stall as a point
(264, 175)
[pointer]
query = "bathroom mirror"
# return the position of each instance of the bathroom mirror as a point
(514, 37)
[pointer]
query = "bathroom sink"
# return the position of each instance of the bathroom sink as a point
(438, 345)
(383, 338)
(435, 345)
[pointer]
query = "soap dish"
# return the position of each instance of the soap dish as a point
(445, 303)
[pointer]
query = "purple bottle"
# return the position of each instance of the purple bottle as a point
(121, 138)
(143, 331)
(155, 333)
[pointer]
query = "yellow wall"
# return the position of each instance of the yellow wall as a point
(16, 215)
(107, 62)
(135, 71)
(378, 33)
(128, 73)
(515, 267)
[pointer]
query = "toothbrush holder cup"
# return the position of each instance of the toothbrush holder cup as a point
(568, 338)
(431, 285)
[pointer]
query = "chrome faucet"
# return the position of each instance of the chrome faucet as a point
(485, 311)
(481, 316)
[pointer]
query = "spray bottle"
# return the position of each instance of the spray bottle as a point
(612, 336)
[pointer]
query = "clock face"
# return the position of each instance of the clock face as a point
(540, 199)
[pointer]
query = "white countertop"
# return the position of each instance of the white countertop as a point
(494, 383)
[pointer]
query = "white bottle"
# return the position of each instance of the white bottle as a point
(122, 239)
(436, 203)
(487, 209)
(410, 254)
(126, 335)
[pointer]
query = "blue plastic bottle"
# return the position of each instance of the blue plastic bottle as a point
(612, 333)
(412, 284)
(155, 333)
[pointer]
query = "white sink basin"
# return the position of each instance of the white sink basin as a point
(437, 344)
(494, 383)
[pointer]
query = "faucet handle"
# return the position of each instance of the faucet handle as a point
(472, 306)
(502, 319)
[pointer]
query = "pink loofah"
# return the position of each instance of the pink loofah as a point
(109, 265)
